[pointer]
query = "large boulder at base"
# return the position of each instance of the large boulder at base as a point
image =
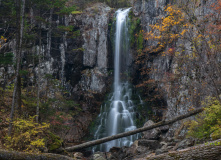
(153, 134)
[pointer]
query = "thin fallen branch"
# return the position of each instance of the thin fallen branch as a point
(13, 155)
(139, 130)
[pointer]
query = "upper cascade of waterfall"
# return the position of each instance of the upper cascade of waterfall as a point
(120, 24)
(118, 113)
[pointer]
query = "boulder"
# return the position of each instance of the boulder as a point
(153, 134)
(150, 144)
(164, 128)
(160, 151)
(185, 143)
(78, 155)
(99, 156)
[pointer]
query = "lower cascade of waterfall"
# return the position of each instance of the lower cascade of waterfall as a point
(118, 113)
(117, 116)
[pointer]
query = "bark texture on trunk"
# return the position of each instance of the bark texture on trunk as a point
(210, 151)
(12, 155)
(18, 9)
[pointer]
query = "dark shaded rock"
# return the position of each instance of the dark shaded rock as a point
(185, 143)
(160, 151)
(150, 144)
(153, 134)
(164, 128)
(141, 149)
(171, 144)
(115, 149)
(116, 153)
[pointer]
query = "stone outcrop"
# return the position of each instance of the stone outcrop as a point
(80, 62)
(177, 94)
(152, 134)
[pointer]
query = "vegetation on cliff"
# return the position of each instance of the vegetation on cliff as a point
(24, 22)
(207, 124)
(191, 45)
(38, 111)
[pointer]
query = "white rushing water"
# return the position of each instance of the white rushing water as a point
(117, 114)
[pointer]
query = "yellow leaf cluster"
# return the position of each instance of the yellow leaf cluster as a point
(165, 31)
(28, 136)
(2, 41)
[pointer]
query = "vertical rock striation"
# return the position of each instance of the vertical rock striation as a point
(80, 62)
(178, 94)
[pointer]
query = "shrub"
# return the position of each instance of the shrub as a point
(28, 136)
(208, 123)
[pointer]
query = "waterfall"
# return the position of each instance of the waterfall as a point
(117, 114)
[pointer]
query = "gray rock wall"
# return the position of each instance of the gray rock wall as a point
(80, 63)
(178, 94)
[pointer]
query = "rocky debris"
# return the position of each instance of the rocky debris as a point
(150, 144)
(211, 151)
(144, 147)
(185, 143)
(153, 134)
(99, 156)
(164, 129)
(78, 156)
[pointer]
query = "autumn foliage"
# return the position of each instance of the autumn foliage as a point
(191, 47)
(168, 29)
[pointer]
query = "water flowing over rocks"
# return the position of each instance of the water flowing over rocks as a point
(83, 65)
(118, 113)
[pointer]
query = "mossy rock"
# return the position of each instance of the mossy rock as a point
(55, 142)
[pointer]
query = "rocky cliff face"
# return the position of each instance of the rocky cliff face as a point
(80, 62)
(185, 91)
(96, 61)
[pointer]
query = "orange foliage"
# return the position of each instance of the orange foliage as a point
(167, 29)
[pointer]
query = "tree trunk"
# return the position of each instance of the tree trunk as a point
(17, 6)
(19, 35)
(20, 52)
(125, 134)
(211, 151)
(7, 155)
(19, 94)
(49, 34)
(38, 76)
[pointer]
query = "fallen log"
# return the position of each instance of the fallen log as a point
(125, 134)
(13, 155)
(210, 151)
